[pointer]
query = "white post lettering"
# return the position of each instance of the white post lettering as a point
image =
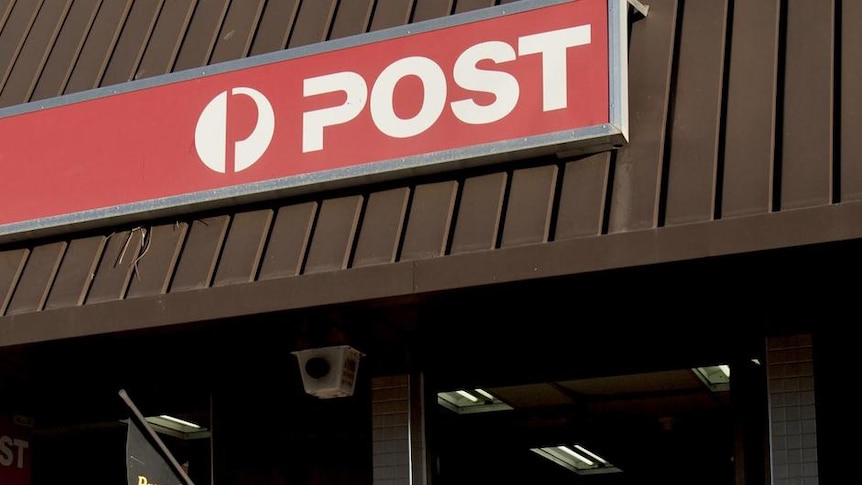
(383, 92)
(21, 445)
(502, 85)
(313, 122)
(5, 451)
(552, 45)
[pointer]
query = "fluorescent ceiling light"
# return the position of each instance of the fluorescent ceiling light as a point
(176, 427)
(181, 422)
(583, 459)
(576, 461)
(464, 401)
(590, 453)
(716, 377)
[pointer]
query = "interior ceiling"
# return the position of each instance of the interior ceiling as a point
(647, 394)
(649, 425)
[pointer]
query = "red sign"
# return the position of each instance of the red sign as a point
(504, 80)
(14, 453)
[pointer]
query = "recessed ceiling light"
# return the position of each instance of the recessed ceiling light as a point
(181, 422)
(576, 458)
(469, 396)
(177, 427)
(716, 377)
(464, 401)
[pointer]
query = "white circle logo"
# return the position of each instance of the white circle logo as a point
(211, 133)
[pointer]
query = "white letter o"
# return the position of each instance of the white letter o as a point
(434, 100)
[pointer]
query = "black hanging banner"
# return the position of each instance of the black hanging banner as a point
(148, 460)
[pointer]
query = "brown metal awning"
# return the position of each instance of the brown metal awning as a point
(739, 144)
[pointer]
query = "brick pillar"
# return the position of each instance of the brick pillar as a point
(398, 431)
(793, 430)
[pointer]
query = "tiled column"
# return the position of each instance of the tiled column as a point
(398, 432)
(793, 431)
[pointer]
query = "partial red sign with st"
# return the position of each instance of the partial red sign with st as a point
(14, 451)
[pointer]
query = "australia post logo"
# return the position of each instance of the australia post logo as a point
(211, 133)
(522, 79)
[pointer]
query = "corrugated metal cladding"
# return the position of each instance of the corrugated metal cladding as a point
(745, 122)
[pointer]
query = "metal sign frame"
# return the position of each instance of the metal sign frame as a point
(590, 139)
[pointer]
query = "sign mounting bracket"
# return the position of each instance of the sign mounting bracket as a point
(640, 9)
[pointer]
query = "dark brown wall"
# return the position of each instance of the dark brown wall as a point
(744, 122)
